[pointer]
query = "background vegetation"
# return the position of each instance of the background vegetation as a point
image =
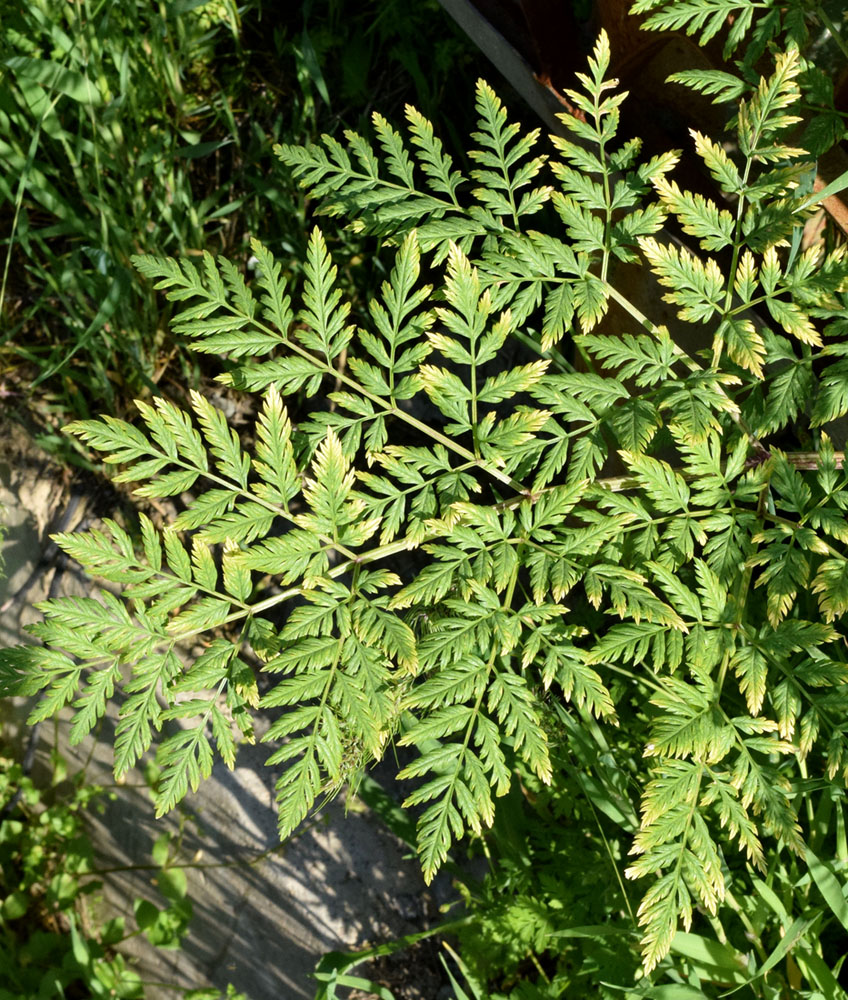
(137, 127)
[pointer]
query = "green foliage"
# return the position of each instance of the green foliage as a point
(92, 160)
(750, 28)
(601, 607)
(52, 941)
(747, 22)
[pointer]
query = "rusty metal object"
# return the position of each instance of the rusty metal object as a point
(833, 164)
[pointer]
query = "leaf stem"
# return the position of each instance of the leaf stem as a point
(381, 552)
(832, 30)
(732, 409)
(389, 408)
(737, 247)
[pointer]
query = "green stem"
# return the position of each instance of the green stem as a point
(622, 887)
(198, 865)
(19, 195)
(381, 552)
(475, 436)
(607, 209)
(828, 714)
(551, 353)
(811, 813)
(239, 491)
(737, 247)
(777, 519)
(742, 595)
(732, 409)
(651, 327)
(753, 937)
(832, 29)
(388, 407)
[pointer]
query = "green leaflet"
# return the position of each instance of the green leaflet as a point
(733, 18)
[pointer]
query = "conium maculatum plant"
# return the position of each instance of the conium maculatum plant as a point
(474, 549)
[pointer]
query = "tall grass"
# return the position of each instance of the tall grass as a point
(128, 126)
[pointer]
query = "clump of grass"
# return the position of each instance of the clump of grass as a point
(100, 126)
(130, 127)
